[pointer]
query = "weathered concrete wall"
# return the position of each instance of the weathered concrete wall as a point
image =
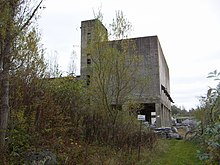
(154, 67)
(149, 69)
(164, 77)
(88, 30)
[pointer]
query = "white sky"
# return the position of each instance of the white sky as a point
(188, 30)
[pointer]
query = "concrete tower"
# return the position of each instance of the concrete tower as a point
(89, 29)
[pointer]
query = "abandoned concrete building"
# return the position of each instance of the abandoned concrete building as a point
(155, 98)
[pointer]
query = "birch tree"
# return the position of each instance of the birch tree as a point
(72, 64)
(16, 16)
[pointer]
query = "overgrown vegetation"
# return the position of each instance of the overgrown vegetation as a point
(176, 152)
(81, 124)
(208, 130)
(58, 114)
(54, 117)
(19, 49)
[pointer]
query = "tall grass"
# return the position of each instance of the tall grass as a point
(177, 152)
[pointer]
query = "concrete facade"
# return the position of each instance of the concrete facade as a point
(87, 30)
(156, 95)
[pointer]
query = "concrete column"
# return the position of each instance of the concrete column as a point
(170, 122)
(162, 116)
(167, 116)
(158, 114)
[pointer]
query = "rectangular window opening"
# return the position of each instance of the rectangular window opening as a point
(88, 79)
(88, 59)
(88, 38)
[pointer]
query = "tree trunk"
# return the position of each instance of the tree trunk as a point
(4, 109)
(4, 89)
(4, 112)
(6, 43)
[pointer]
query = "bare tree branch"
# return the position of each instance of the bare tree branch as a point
(32, 15)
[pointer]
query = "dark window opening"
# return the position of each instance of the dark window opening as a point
(116, 107)
(88, 59)
(88, 38)
(88, 79)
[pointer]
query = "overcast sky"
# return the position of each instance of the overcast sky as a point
(188, 30)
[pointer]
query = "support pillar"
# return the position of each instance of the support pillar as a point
(158, 114)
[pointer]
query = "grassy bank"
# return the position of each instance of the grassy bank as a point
(176, 152)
